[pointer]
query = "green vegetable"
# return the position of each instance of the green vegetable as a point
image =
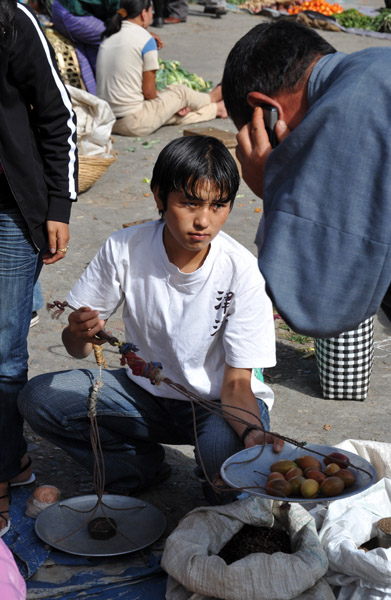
(352, 18)
(170, 72)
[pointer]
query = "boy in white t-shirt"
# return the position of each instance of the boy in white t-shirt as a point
(194, 300)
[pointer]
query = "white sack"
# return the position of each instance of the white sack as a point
(190, 555)
(174, 591)
(377, 453)
(95, 121)
(349, 523)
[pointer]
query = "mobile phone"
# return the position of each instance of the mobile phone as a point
(270, 117)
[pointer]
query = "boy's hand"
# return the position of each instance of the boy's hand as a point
(254, 147)
(255, 437)
(84, 324)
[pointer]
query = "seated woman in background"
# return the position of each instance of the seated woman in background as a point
(83, 22)
(126, 78)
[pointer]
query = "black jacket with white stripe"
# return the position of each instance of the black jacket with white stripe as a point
(37, 129)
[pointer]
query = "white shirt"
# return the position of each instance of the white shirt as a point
(122, 59)
(193, 323)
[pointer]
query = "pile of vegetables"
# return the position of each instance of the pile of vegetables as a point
(170, 72)
(320, 6)
(256, 6)
(352, 18)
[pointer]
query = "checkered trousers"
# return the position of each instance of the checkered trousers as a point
(345, 363)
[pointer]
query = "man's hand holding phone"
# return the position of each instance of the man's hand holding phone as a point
(254, 145)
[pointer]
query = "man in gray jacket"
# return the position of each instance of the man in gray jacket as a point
(326, 187)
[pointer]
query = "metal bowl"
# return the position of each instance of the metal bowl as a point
(249, 468)
(64, 525)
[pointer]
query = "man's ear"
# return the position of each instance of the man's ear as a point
(158, 201)
(257, 99)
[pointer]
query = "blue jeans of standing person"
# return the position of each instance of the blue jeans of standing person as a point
(18, 262)
(132, 425)
(38, 301)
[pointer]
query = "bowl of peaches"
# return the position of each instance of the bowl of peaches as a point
(299, 473)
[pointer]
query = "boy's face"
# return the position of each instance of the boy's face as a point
(191, 224)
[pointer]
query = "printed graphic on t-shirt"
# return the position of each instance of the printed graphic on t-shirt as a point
(224, 300)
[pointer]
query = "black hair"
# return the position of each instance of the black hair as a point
(7, 24)
(129, 9)
(188, 161)
(270, 58)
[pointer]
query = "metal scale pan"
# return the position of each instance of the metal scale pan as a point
(139, 524)
(247, 470)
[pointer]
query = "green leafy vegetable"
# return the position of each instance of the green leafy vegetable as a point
(352, 18)
(170, 72)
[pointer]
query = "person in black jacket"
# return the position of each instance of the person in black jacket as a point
(38, 183)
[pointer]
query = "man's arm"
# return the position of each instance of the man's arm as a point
(236, 392)
(79, 336)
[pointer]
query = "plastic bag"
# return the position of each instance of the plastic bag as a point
(196, 572)
(377, 453)
(12, 585)
(349, 523)
(95, 121)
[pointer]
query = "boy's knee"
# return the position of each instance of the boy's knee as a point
(30, 396)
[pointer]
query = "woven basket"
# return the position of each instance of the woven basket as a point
(66, 57)
(93, 167)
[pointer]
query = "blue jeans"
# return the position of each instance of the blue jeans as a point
(132, 424)
(38, 301)
(18, 262)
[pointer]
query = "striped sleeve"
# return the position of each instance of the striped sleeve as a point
(43, 87)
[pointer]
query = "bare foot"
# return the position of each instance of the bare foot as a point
(24, 475)
(221, 110)
(216, 94)
(184, 111)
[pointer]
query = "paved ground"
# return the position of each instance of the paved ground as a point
(120, 196)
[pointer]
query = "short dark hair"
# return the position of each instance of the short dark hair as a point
(270, 58)
(133, 9)
(7, 24)
(190, 160)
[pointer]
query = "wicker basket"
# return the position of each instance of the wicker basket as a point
(93, 167)
(66, 57)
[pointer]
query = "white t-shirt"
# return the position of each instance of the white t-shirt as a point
(190, 322)
(122, 59)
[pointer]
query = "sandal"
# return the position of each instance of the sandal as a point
(5, 512)
(31, 479)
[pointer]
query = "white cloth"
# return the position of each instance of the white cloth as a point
(122, 59)
(95, 120)
(349, 523)
(191, 322)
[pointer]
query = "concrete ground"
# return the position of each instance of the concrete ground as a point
(121, 196)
